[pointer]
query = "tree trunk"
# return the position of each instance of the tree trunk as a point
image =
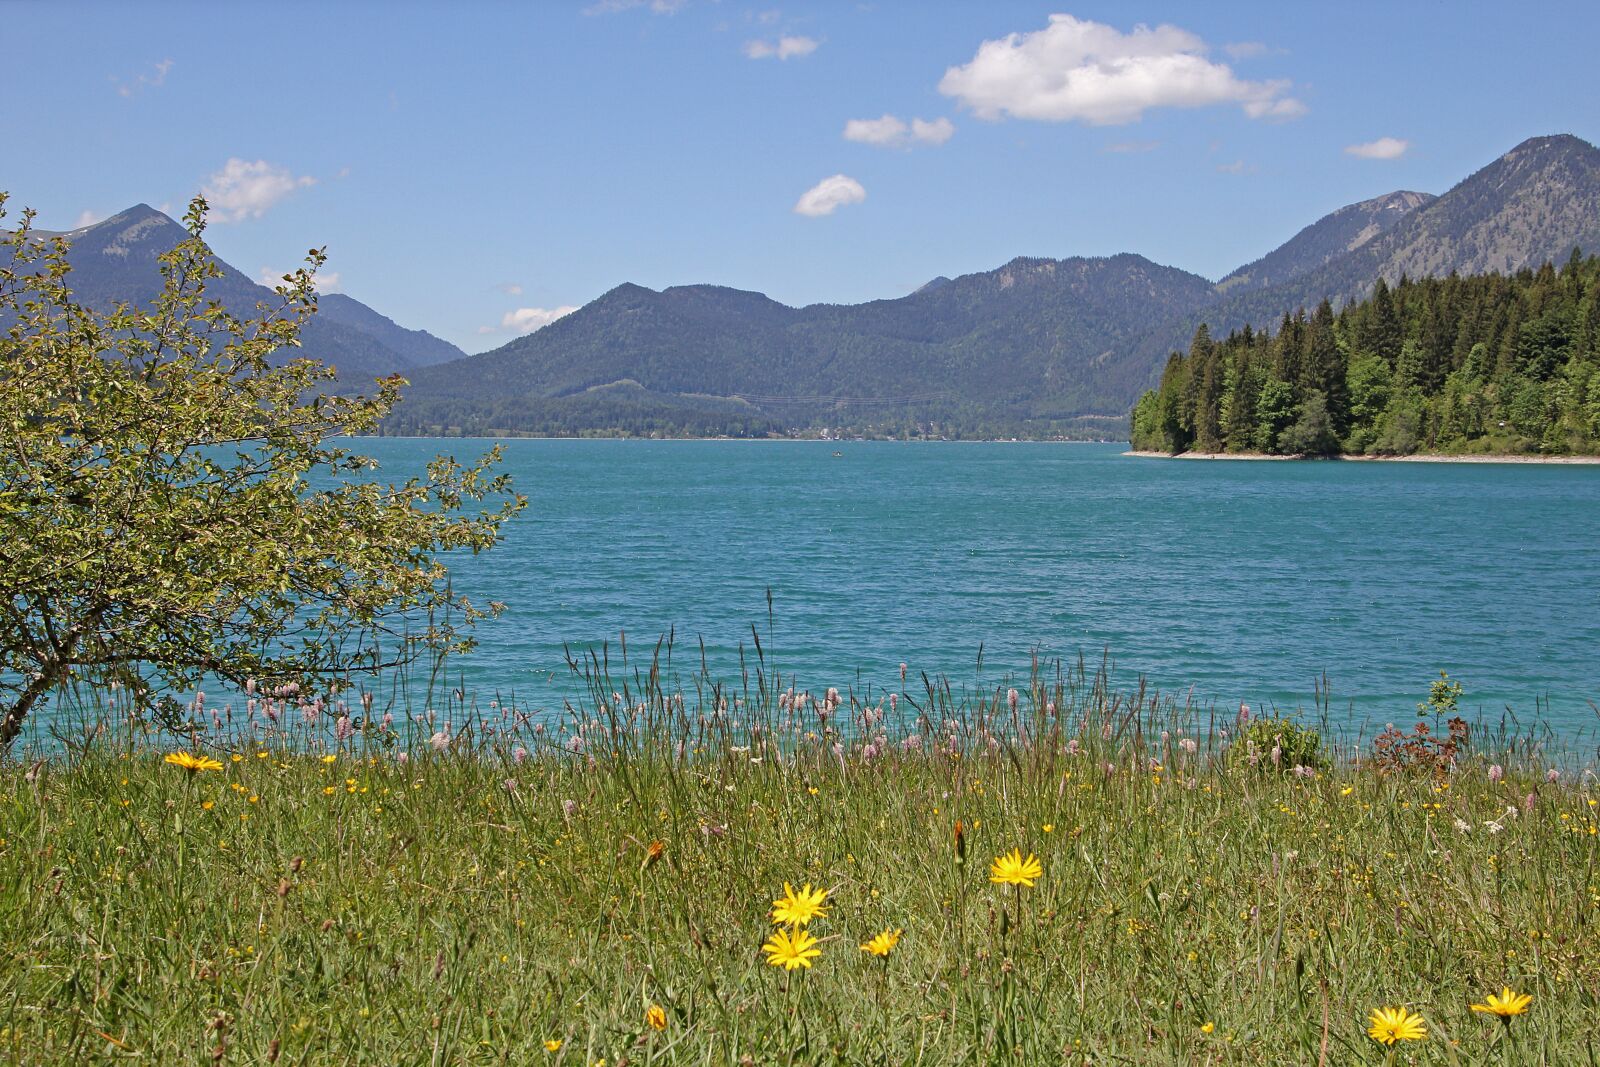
(11, 719)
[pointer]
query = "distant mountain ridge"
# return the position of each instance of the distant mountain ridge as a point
(118, 260)
(1324, 241)
(1038, 337)
(1533, 205)
(1029, 348)
(1035, 347)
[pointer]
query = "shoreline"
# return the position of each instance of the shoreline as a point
(1578, 461)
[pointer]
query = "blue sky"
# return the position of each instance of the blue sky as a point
(473, 169)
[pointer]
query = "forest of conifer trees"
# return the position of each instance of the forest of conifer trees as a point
(1481, 364)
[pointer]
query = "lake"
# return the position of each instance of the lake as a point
(1245, 581)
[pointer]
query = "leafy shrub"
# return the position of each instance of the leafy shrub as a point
(1278, 745)
(1425, 749)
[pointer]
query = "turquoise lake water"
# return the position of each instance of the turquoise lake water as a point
(1244, 581)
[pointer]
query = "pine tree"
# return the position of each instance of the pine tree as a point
(1324, 370)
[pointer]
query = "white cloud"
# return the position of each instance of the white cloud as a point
(938, 131)
(1080, 71)
(510, 288)
(657, 7)
(326, 281)
(1382, 148)
(828, 195)
(526, 320)
(782, 48)
(141, 82)
(892, 132)
(87, 218)
(1238, 166)
(243, 190)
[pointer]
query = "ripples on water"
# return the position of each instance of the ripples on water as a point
(1245, 581)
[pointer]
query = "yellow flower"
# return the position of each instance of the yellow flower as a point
(1208, 1028)
(790, 952)
(797, 909)
(330, 758)
(883, 943)
(1396, 1024)
(1049, 826)
(553, 1045)
(656, 1017)
(1012, 869)
(1505, 1004)
(191, 763)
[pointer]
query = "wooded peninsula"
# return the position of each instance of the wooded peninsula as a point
(1505, 364)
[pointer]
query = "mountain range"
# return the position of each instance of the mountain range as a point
(116, 260)
(1036, 347)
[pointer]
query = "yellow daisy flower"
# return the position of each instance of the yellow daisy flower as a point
(192, 763)
(1505, 1004)
(553, 1045)
(883, 943)
(1390, 1025)
(797, 909)
(1012, 869)
(790, 952)
(656, 1017)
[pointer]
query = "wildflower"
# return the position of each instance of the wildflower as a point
(1496, 772)
(440, 740)
(330, 758)
(1390, 1025)
(884, 943)
(1208, 1027)
(191, 763)
(1552, 775)
(797, 909)
(1012, 869)
(1505, 1004)
(790, 952)
(553, 1045)
(961, 845)
(656, 1017)
(652, 855)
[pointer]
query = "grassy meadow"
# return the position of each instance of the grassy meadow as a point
(484, 886)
